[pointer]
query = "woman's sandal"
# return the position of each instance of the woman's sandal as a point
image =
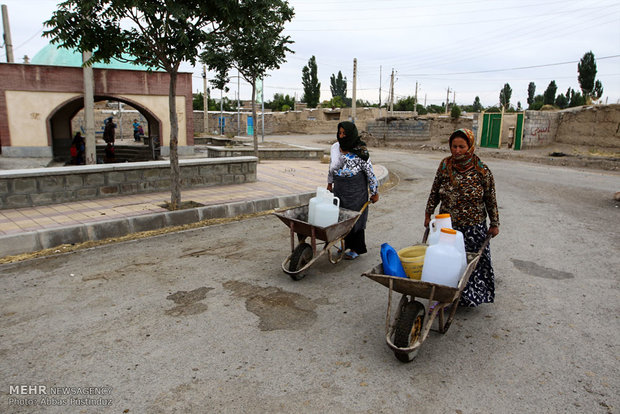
(350, 255)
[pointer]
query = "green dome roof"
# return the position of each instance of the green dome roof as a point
(58, 56)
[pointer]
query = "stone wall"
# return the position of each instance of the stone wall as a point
(412, 131)
(43, 186)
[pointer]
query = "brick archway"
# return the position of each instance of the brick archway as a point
(61, 131)
(37, 103)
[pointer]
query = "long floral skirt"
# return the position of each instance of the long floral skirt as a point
(481, 286)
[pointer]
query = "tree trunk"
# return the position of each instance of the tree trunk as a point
(175, 172)
(254, 118)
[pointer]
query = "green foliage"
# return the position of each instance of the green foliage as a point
(254, 45)
(405, 104)
(587, 73)
(597, 92)
(436, 109)
(477, 106)
(338, 86)
(455, 112)
(312, 86)
(335, 102)
(549, 95)
(531, 91)
(538, 103)
(519, 108)
(280, 101)
(561, 101)
(198, 103)
(575, 98)
(504, 95)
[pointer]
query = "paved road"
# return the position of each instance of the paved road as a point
(206, 321)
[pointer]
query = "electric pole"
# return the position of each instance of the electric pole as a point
(415, 101)
(353, 104)
(8, 43)
(447, 99)
(392, 93)
(89, 111)
(380, 88)
(205, 100)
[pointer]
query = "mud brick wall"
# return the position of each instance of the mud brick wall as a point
(407, 130)
(43, 186)
(596, 126)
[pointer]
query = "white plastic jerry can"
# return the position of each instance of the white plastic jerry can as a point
(443, 262)
(321, 195)
(326, 212)
(440, 221)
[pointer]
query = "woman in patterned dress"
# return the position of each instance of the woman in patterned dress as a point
(351, 176)
(465, 188)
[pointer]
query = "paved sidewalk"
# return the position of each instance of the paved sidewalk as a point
(279, 184)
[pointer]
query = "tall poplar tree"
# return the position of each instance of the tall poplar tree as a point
(312, 86)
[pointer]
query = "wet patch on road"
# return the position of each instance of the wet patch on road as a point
(537, 270)
(276, 308)
(188, 303)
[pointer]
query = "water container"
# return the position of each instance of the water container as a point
(321, 194)
(412, 259)
(443, 263)
(391, 262)
(440, 221)
(326, 213)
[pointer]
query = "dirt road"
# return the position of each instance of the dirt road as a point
(206, 321)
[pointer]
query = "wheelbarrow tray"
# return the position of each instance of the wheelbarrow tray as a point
(443, 297)
(421, 289)
(296, 218)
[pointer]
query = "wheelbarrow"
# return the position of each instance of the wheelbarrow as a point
(305, 254)
(411, 324)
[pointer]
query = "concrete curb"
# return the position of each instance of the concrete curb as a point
(20, 243)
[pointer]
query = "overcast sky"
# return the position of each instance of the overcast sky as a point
(471, 47)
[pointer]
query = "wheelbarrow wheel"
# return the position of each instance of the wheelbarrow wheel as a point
(301, 256)
(408, 328)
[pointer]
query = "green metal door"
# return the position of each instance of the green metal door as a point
(519, 131)
(491, 130)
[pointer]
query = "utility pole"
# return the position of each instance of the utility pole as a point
(221, 112)
(380, 88)
(238, 103)
(392, 93)
(89, 111)
(8, 43)
(353, 104)
(447, 99)
(415, 104)
(205, 100)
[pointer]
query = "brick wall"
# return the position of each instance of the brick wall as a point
(43, 186)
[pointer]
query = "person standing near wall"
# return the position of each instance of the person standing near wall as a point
(136, 130)
(109, 130)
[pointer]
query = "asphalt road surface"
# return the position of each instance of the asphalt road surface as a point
(206, 321)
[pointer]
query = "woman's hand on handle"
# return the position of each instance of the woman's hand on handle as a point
(493, 231)
(427, 219)
(374, 198)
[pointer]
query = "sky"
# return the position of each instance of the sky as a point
(456, 48)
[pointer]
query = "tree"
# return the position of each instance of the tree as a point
(538, 102)
(405, 104)
(312, 86)
(253, 46)
(549, 95)
(280, 101)
(455, 112)
(504, 96)
(477, 106)
(574, 98)
(561, 101)
(587, 74)
(158, 34)
(519, 108)
(338, 86)
(531, 91)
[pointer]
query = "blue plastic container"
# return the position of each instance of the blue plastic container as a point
(391, 262)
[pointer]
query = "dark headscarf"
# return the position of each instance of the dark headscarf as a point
(466, 161)
(352, 142)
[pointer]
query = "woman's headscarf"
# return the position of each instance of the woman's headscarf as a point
(351, 141)
(466, 161)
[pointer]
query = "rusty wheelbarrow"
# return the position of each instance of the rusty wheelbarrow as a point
(411, 324)
(305, 254)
